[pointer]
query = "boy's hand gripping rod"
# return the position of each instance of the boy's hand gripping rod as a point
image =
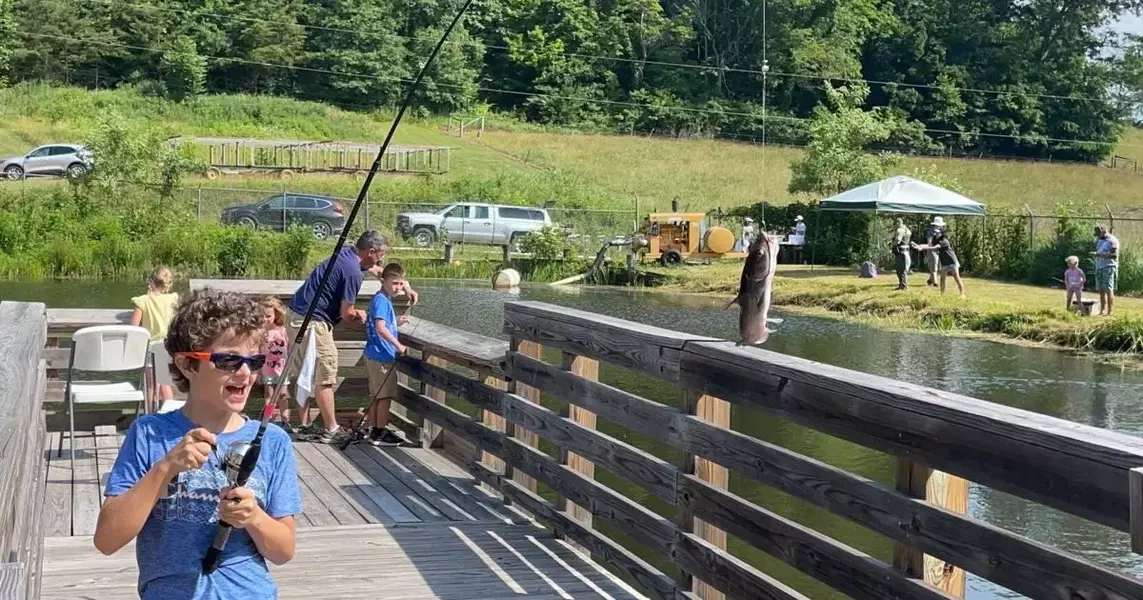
(249, 454)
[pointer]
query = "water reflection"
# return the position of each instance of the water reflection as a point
(1033, 379)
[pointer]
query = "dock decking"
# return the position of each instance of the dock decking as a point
(405, 522)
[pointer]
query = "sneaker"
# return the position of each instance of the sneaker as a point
(385, 437)
(336, 437)
(307, 432)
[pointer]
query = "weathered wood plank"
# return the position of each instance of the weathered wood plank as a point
(362, 459)
(642, 468)
(316, 512)
(1072, 467)
(632, 345)
(1136, 483)
(329, 495)
(623, 408)
(726, 573)
(85, 485)
(618, 510)
(600, 547)
(107, 442)
(453, 491)
(57, 494)
(526, 393)
(1012, 561)
(843, 568)
(350, 477)
(431, 432)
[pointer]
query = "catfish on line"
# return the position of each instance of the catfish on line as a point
(754, 291)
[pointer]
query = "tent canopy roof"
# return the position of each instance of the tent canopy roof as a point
(903, 195)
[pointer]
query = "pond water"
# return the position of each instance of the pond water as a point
(1040, 380)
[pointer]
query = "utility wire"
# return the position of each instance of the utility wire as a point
(596, 57)
(763, 118)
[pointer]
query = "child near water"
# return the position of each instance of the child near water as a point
(167, 490)
(1074, 280)
(274, 347)
(154, 311)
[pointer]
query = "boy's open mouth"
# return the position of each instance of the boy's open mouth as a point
(235, 389)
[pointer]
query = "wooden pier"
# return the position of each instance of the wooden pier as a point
(540, 518)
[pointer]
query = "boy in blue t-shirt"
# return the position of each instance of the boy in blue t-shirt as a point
(168, 488)
(381, 351)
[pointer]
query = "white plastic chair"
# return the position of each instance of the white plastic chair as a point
(161, 375)
(105, 349)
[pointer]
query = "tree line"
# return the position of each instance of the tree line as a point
(1022, 78)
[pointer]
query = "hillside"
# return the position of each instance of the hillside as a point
(515, 163)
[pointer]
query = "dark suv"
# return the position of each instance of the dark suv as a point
(322, 214)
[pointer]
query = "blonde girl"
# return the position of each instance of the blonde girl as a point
(154, 311)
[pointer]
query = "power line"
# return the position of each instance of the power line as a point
(763, 117)
(724, 69)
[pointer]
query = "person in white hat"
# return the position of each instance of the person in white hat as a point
(931, 259)
(799, 225)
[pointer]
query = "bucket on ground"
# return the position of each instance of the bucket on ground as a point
(506, 279)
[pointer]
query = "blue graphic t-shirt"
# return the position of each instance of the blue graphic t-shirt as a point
(177, 534)
(376, 348)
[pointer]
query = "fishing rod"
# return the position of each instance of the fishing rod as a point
(249, 453)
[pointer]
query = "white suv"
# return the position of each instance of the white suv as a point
(470, 223)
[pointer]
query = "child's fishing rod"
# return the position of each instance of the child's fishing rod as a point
(249, 458)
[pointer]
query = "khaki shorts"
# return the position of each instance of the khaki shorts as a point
(325, 371)
(382, 379)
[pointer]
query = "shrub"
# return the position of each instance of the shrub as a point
(546, 243)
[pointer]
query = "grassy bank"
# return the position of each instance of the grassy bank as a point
(1012, 311)
(516, 163)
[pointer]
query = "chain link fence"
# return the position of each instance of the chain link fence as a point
(587, 228)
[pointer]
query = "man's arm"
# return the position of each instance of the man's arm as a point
(350, 312)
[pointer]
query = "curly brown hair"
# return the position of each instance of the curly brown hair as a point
(206, 315)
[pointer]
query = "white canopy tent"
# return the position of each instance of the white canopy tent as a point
(902, 194)
(899, 194)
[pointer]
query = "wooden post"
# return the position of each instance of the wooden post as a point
(507, 252)
(448, 252)
(531, 394)
(1135, 480)
(943, 490)
(496, 422)
(588, 369)
(717, 412)
(431, 433)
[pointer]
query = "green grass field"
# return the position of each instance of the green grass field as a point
(1013, 311)
(524, 164)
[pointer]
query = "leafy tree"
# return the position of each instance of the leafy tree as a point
(184, 71)
(837, 156)
(127, 156)
(7, 40)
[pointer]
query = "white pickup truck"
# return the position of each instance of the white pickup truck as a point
(473, 223)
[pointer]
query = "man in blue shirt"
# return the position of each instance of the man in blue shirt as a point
(1106, 268)
(334, 304)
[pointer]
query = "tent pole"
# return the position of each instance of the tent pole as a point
(817, 233)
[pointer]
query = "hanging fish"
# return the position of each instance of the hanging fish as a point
(754, 290)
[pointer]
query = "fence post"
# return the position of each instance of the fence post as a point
(367, 227)
(717, 412)
(199, 217)
(940, 489)
(529, 393)
(588, 369)
(432, 435)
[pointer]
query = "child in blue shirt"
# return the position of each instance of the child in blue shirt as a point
(381, 351)
(168, 489)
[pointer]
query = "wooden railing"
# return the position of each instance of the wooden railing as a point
(22, 476)
(1075, 468)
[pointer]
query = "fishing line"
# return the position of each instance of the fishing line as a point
(250, 457)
